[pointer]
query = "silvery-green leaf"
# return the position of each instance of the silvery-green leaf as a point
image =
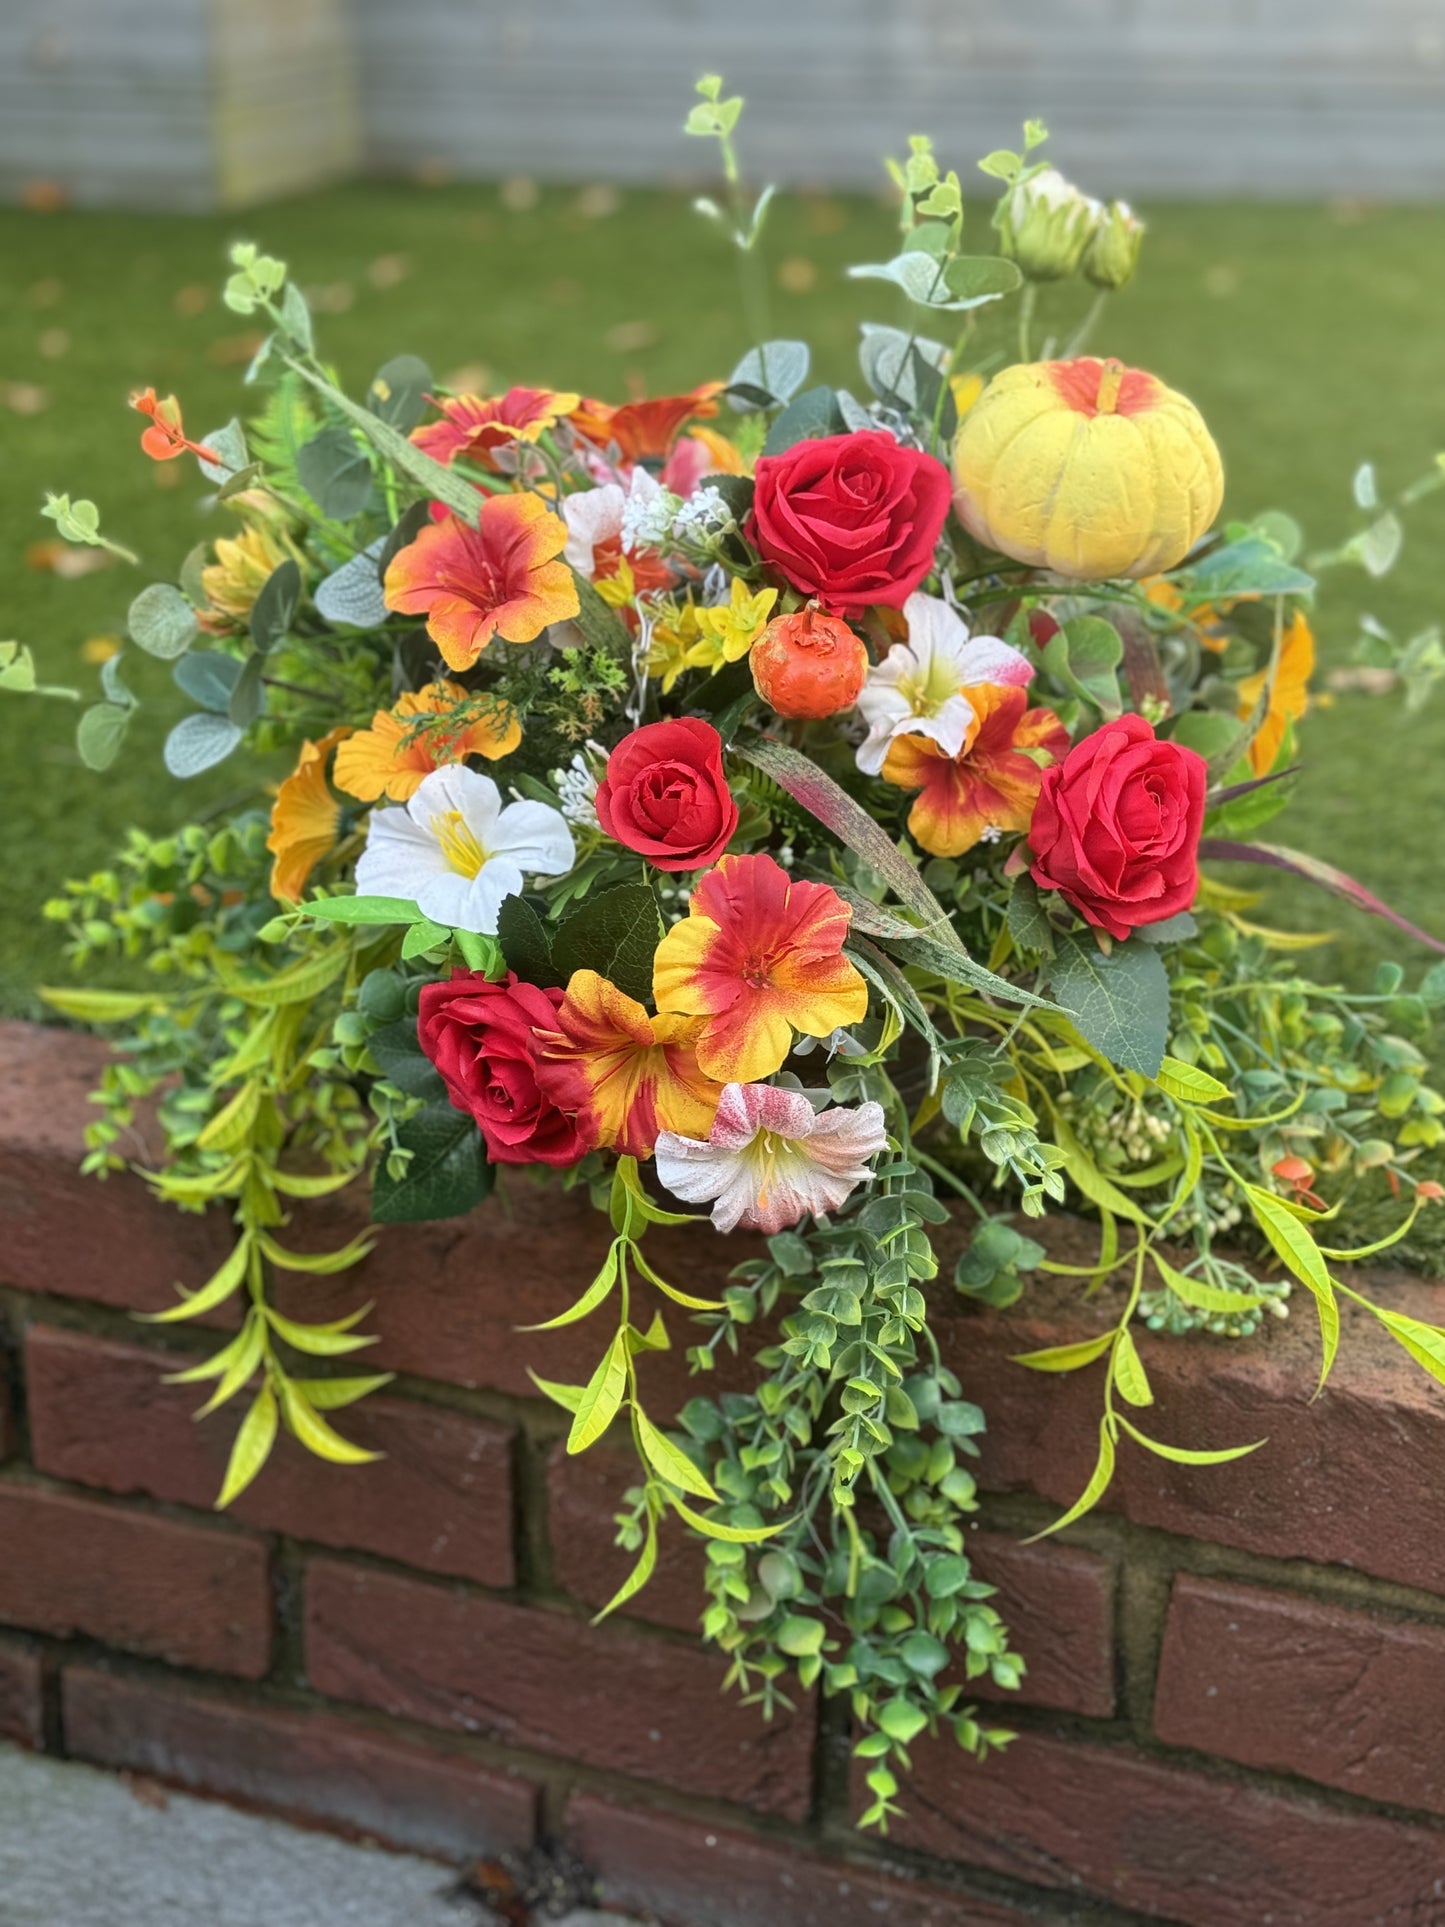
(918, 274)
(854, 414)
(113, 684)
(99, 734)
(208, 678)
(199, 742)
(777, 369)
(399, 391)
(886, 358)
(1380, 545)
(162, 621)
(230, 444)
(351, 595)
(1364, 486)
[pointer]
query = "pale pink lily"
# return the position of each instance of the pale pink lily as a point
(917, 689)
(771, 1159)
(594, 516)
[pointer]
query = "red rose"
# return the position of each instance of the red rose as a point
(1116, 827)
(851, 519)
(482, 1038)
(665, 795)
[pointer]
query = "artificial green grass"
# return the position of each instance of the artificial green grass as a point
(1309, 337)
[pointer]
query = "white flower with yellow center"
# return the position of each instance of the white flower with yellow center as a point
(917, 689)
(456, 850)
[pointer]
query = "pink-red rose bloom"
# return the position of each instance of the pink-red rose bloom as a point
(1116, 827)
(665, 795)
(850, 519)
(482, 1038)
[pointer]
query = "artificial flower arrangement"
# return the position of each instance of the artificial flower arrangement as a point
(790, 817)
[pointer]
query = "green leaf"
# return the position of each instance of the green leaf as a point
(321, 1264)
(730, 1535)
(377, 910)
(527, 944)
(448, 1173)
(223, 1282)
(335, 473)
(976, 278)
(332, 1394)
(615, 933)
(639, 1575)
(1299, 1252)
(1094, 1491)
(1128, 1368)
(1187, 1084)
(1027, 920)
(951, 962)
(162, 622)
(480, 953)
(814, 413)
(208, 678)
(1084, 655)
(399, 392)
(1211, 1298)
(199, 742)
(424, 935)
(601, 1397)
(100, 733)
(319, 1341)
(1254, 565)
(597, 1293)
(315, 1434)
(242, 1360)
(775, 371)
(101, 1006)
(601, 626)
(252, 1447)
(1090, 1179)
(1066, 1358)
(670, 1463)
(274, 609)
(249, 696)
(1181, 1455)
(569, 1397)
(403, 1061)
(1119, 1003)
(800, 1638)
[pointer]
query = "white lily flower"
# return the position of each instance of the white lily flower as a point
(770, 1159)
(456, 851)
(917, 689)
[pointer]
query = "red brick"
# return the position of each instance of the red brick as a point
(1320, 1489)
(22, 1710)
(9, 1441)
(1348, 1698)
(301, 1763)
(191, 1594)
(1167, 1841)
(541, 1679)
(1058, 1601)
(713, 1877)
(64, 1233)
(441, 1498)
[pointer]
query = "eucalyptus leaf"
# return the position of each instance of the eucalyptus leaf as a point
(100, 733)
(1253, 565)
(162, 622)
(886, 357)
(335, 473)
(813, 414)
(1084, 655)
(199, 742)
(274, 609)
(351, 596)
(230, 444)
(400, 390)
(208, 678)
(113, 683)
(248, 697)
(776, 371)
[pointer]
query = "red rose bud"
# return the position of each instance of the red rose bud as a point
(850, 519)
(1116, 827)
(809, 664)
(482, 1038)
(665, 795)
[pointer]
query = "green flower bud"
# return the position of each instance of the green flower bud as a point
(1113, 250)
(1045, 225)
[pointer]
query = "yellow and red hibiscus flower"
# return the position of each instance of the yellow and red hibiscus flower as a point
(644, 431)
(1289, 698)
(305, 819)
(758, 956)
(477, 425)
(622, 1074)
(502, 578)
(401, 747)
(990, 787)
(770, 1159)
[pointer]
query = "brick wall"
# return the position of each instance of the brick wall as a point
(1236, 1682)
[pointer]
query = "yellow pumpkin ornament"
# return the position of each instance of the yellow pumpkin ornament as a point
(1086, 468)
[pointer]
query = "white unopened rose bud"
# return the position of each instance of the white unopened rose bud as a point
(1113, 249)
(1046, 225)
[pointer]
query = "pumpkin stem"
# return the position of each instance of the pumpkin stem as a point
(1110, 377)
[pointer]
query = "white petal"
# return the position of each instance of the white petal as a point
(990, 659)
(933, 625)
(592, 516)
(692, 1170)
(535, 836)
(498, 879)
(475, 797)
(443, 898)
(398, 857)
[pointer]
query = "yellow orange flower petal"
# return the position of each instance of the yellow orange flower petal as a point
(644, 430)
(624, 1074)
(305, 819)
(501, 578)
(1289, 699)
(991, 785)
(758, 956)
(475, 425)
(391, 758)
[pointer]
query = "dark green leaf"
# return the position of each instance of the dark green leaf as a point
(403, 1061)
(1254, 565)
(335, 473)
(976, 278)
(247, 697)
(448, 1173)
(737, 492)
(1028, 923)
(275, 607)
(1084, 656)
(1168, 929)
(526, 943)
(1119, 1003)
(615, 933)
(399, 391)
